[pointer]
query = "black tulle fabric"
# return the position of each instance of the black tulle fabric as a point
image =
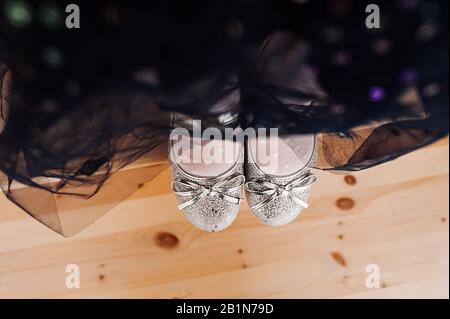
(79, 106)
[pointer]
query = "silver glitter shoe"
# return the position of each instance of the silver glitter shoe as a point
(278, 197)
(209, 202)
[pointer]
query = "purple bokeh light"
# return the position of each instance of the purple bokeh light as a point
(376, 93)
(409, 76)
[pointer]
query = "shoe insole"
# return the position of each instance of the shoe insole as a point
(282, 156)
(208, 158)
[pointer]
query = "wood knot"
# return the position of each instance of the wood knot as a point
(166, 240)
(337, 256)
(345, 203)
(350, 179)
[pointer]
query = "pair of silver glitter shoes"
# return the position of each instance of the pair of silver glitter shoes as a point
(276, 197)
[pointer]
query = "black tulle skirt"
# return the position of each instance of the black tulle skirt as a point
(80, 105)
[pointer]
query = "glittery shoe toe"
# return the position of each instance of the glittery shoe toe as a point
(209, 203)
(277, 200)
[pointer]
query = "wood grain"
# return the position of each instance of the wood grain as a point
(395, 216)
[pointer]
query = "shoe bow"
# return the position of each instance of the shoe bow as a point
(275, 191)
(219, 189)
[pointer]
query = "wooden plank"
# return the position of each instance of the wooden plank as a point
(395, 216)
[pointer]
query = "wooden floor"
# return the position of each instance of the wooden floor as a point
(394, 216)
